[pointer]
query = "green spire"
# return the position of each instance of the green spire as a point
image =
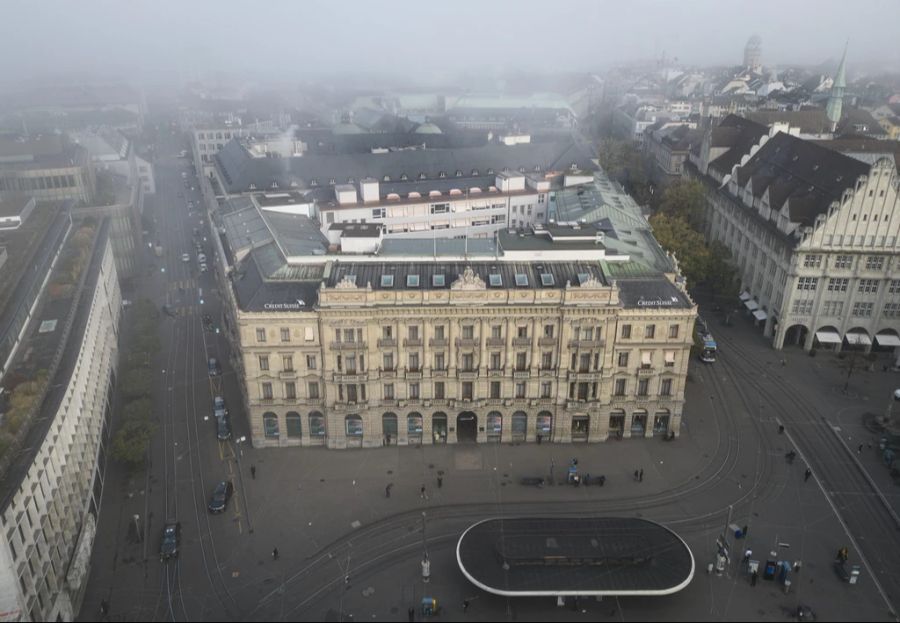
(835, 103)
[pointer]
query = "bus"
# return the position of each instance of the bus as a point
(706, 345)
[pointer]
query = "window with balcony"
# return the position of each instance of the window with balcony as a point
(413, 362)
(467, 390)
(439, 390)
(584, 362)
(287, 363)
(583, 391)
(495, 389)
(468, 362)
(619, 387)
(349, 335)
(547, 361)
(468, 332)
(522, 332)
(387, 362)
(351, 364)
(414, 391)
(313, 390)
(646, 359)
(496, 332)
(351, 394)
(495, 361)
(439, 362)
(548, 330)
(414, 333)
(290, 390)
(267, 391)
(439, 332)
(546, 388)
(521, 361)
(387, 332)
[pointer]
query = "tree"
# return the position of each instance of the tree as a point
(686, 199)
(623, 162)
(676, 235)
(721, 277)
(129, 444)
(135, 384)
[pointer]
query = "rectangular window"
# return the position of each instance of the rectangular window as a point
(290, 390)
(863, 310)
(626, 331)
(643, 387)
(623, 360)
(439, 363)
(521, 331)
(414, 391)
(387, 332)
(285, 334)
(546, 361)
(521, 361)
(548, 330)
(414, 362)
(520, 390)
(650, 331)
(388, 391)
(468, 332)
(414, 333)
(287, 362)
(665, 387)
(812, 261)
(891, 310)
(646, 359)
(868, 286)
(351, 394)
(468, 362)
(313, 389)
(620, 387)
(439, 390)
(260, 335)
(875, 262)
(843, 261)
(495, 389)
(439, 332)
(546, 388)
(267, 391)
(495, 361)
(309, 334)
(467, 390)
(838, 285)
(349, 336)
(807, 283)
(894, 286)
(584, 364)
(388, 362)
(263, 362)
(311, 362)
(673, 331)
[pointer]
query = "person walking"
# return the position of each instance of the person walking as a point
(859, 449)
(753, 577)
(465, 605)
(744, 531)
(253, 471)
(807, 474)
(636, 474)
(422, 493)
(411, 613)
(387, 490)
(641, 475)
(440, 481)
(274, 553)
(747, 554)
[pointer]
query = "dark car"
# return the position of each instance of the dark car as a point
(220, 496)
(213, 367)
(223, 426)
(171, 540)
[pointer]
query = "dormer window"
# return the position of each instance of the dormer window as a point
(474, 172)
(442, 175)
(386, 178)
(403, 177)
(421, 176)
(459, 174)
(331, 181)
(490, 171)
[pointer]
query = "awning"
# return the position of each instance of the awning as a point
(828, 337)
(887, 340)
(751, 304)
(760, 314)
(858, 338)
(745, 295)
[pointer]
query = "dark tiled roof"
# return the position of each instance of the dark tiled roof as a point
(239, 169)
(651, 293)
(802, 172)
(739, 135)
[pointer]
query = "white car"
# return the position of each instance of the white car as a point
(185, 257)
(897, 394)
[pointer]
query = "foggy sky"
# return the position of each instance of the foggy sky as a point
(279, 39)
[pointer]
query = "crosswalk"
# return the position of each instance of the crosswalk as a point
(184, 310)
(184, 284)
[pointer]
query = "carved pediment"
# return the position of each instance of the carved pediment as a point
(346, 284)
(591, 283)
(468, 281)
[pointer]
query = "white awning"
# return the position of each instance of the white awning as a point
(745, 295)
(760, 314)
(828, 337)
(858, 338)
(751, 304)
(887, 340)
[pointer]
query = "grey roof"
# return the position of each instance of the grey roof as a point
(295, 234)
(527, 240)
(475, 247)
(239, 169)
(13, 205)
(652, 292)
(256, 294)
(806, 175)
(357, 230)
(370, 273)
(574, 555)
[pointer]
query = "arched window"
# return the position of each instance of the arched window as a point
(294, 426)
(270, 425)
(353, 426)
(316, 424)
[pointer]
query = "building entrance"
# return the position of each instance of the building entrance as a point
(467, 427)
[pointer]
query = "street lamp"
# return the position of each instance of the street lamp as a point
(426, 563)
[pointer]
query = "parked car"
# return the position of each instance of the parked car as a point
(185, 257)
(223, 428)
(171, 540)
(201, 258)
(203, 267)
(219, 404)
(213, 367)
(220, 496)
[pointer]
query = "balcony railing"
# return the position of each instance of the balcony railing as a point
(412, 342)
(466, 342)
(586, 343)
(438, 342)
(348, 345)
(387, 342)
(496, 342)
(547, 341)
(521, 341)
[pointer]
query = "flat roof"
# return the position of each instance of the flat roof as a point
(596, 556)
(14, 205)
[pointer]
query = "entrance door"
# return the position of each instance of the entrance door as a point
(467, 427)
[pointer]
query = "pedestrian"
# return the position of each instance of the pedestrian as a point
(859, 449)
(387, 490)
(744, 531)
(422, 493)
(747, 554)
(575, 462)
(636, 475)
(601, 480)
(104, 606)
(465, 604)
(753, 577)
(440, 481)
(253, 472)
(274, 553)
(540, 438)
(807, 474)
(783, 362)
(641, 475)
(781, 429)
(411, 613)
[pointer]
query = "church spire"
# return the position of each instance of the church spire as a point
(835, 103)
